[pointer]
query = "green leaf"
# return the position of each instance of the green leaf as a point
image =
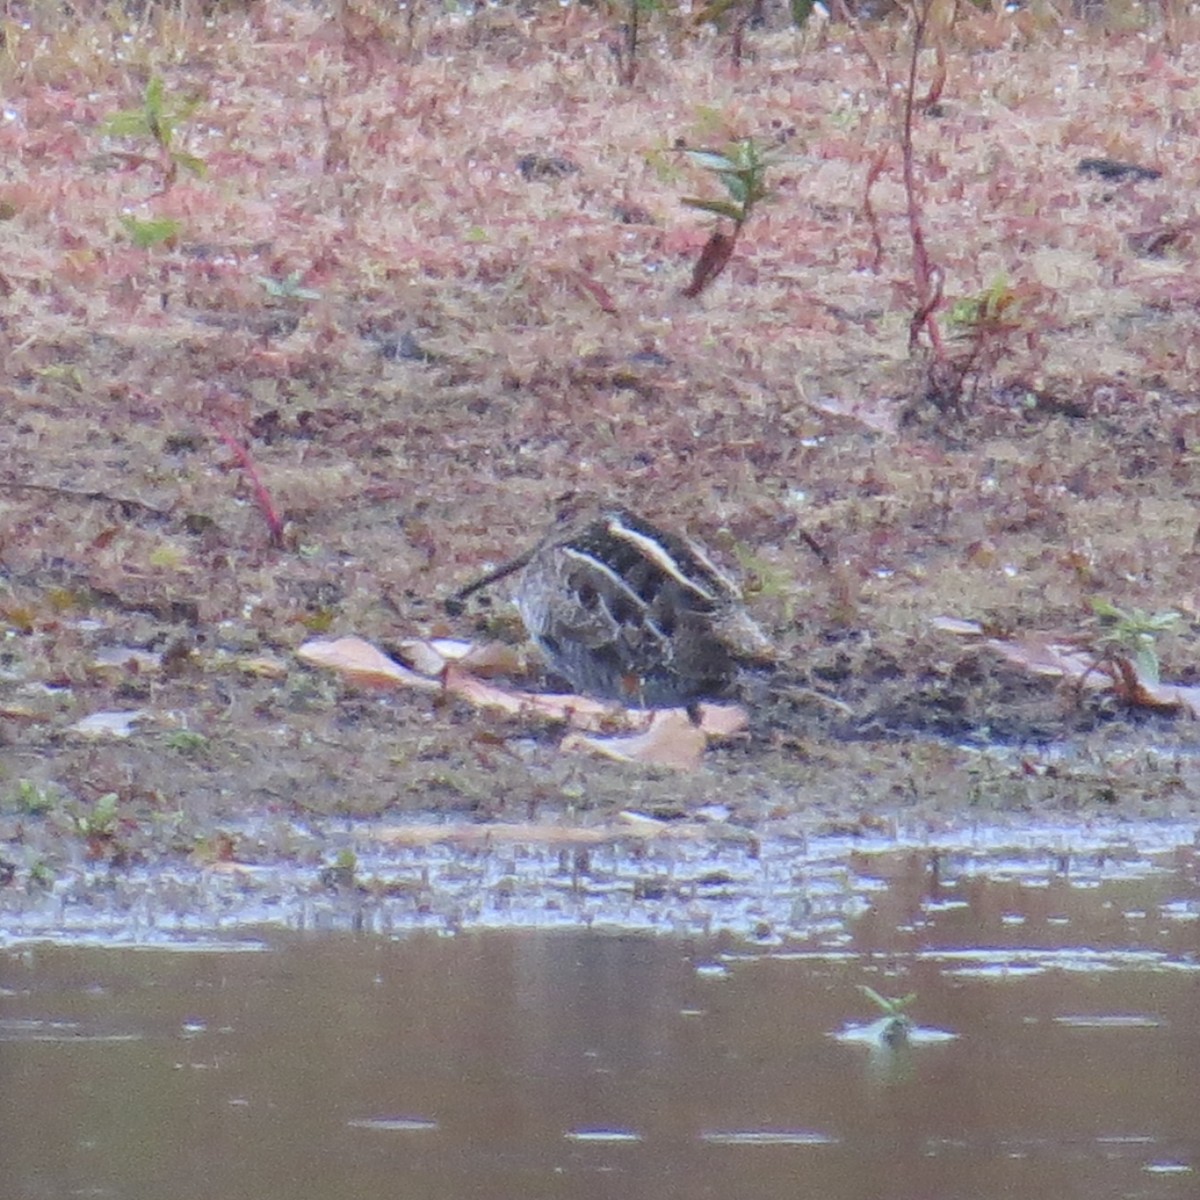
(893, 1006)
(130, 123)
(158, 118)
(711, 160)
(1164, 620)
(41, 874)
(1146, 662)
(153, 101)
(148, 234)
(721, 207)
(105, 811)
(736, 186)
(191, 164)
(964, 312)
(1106, 608)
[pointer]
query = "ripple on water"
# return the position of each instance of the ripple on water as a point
(767, 1137)
(767, 884)
(71, 1032)
(393, 1124)
(607, 1136)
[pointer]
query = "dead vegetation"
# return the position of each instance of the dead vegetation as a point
(301, 331)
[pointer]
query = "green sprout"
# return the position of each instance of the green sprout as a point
(1134, 633)
(145, 235)
(995, 309)
(898, 1024)
(187, 741)
(30, 799)
(741, 168)
(99, 823)
(159, 120)
(41, 876)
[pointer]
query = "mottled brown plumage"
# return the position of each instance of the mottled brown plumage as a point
(626, 611)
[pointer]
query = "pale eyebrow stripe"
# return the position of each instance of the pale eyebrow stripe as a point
(658, 555)
(604, 569)
(601, 566)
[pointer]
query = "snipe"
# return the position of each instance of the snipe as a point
(626, 611)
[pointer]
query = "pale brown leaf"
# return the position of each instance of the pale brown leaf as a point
(1041, 656)
(671, 741)
(361, 663)
(578, 711)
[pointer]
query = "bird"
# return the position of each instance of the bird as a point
(626, 611)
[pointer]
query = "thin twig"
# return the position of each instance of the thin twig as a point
(627, 58)
(873, 174)
(926, 277)
(262, 497)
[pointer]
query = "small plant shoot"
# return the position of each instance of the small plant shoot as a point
(158, 121)
(1134, 633)
(741, 169)
(147, 234)
(897, 1023)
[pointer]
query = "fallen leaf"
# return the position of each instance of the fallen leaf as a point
(957, 625)
(672, 740)
(1117, 673)
(109, 724)
(494, 658)
(640, 823)
(21, 712)
(723, 720)
(1171, 695)
(485, 658)
(262, 666)
(1058, 659)
(427, 657)
(665, 737)
(362, 663)
(577, 711)
(879, 413)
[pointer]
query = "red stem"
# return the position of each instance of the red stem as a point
(261, 496)
(925, 276)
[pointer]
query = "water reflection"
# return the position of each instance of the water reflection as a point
(575, 1063)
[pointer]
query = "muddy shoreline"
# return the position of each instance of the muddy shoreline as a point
(294, 397)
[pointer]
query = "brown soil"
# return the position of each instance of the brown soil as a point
(446, 341)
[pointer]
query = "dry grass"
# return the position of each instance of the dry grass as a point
(458, 344)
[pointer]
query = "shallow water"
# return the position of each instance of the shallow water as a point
(1054, 1049)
